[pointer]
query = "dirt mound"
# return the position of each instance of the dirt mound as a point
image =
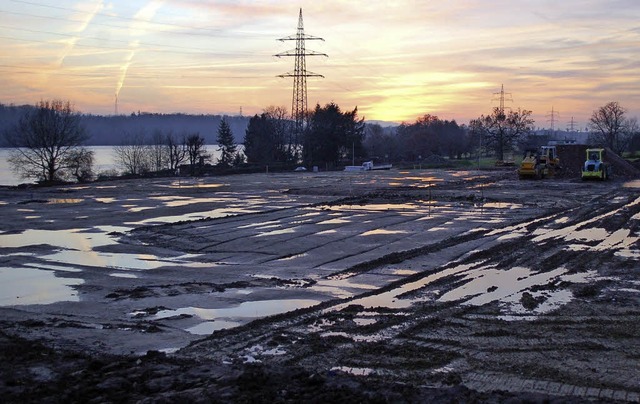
(572, 159)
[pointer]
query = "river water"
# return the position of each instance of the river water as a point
(104, 160)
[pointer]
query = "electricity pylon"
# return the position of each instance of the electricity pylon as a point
(502, 97)
(300, 74)
(553, 116)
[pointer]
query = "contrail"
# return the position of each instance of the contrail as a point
(125, 67)
(71, 43)
(137, 28)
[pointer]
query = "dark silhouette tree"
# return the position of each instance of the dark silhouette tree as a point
(499, 131)
(265, 139)
(285, 147)
(259, 140)
(432, 135)
(226, 144)
(611, 128)
(80, 164)
(176, 150)
(333, 136)
(380, 143)
(196, 151)
(44, 141)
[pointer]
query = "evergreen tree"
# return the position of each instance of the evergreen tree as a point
(226, 144)
(333, 136)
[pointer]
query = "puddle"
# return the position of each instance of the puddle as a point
(488, 284)
(181, 185)
(404, 272)
(212, 214)
(341, 288)
(134, 208)
(259, 224)
(21, 286)
(335, 221)
(53, 267)
(121, 275)
(376, 207)
(364, 321)
(77, 247)
(68, 239)
(177, 201)
(292, 257)
(105, 200)
(353, 371)
(326, 232)
(123, 261)
(63, 201)
(391, 299)
(383, 231)
(229, 317)
(208, 327)
(479, 285)
(276, 232)
(502, 205)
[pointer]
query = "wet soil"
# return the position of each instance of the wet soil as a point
(431, 286)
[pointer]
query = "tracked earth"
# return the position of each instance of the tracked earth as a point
(379, 286)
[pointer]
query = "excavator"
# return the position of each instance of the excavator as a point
(539, 163)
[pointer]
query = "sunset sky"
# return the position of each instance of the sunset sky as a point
(394, 60)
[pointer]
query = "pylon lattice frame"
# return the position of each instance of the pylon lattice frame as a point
(299, 106)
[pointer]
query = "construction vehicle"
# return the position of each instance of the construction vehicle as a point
(596, 167)
(539, 163)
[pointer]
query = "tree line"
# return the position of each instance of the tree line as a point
(48, 142)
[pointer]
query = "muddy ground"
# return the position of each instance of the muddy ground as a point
(382, 286)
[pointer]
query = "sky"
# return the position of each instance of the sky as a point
(393, 60)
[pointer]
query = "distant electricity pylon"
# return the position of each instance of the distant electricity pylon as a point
(300, 74)
(501, 98)
(572, 125)
(552, 118)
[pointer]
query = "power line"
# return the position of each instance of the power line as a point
(200, 50)
(211, 33)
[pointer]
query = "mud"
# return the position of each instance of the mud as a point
(392, 287)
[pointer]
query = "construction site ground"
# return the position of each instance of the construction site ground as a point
(385, 286)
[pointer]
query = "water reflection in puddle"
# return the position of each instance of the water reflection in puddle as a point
(76, 247)
(21, 286)
(63, 201)
(353, 370)
(383, 231)
(477, 285)
(69, 239)
(276, 232)
(341, 287)
(228, 317)
(212, 214)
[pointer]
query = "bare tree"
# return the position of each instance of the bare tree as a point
(196, 151)
(501, 130)
(44, 139)
(177, 150)
(157, 151)
(611, 128)
(80, 164)
(286, 147)
(132, 155)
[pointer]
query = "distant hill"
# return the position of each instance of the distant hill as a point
(113, 130)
